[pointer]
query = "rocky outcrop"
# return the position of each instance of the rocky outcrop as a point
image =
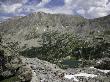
(26, 31)
(24, 73)
(12, 66)
(34, 77)
(43, 71)
(103, 64)
(2, 61)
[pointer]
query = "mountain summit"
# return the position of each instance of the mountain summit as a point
(19, 27)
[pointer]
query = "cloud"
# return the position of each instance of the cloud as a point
(10, 8)
(13, 1)
(43, 3)
(98, 11)
(85, 8)
(55, 11)
(4, 17)
(93, 9)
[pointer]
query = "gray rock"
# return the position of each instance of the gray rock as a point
(24, 73)
(7, 73)
(103, 64)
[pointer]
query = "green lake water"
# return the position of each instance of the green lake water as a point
(71, 63)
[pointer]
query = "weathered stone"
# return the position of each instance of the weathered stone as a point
(7, 73)
(2, 61)
(103, 64)
(14, 63)
(34, 77)
(24, 73)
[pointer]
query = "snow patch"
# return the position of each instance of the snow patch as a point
(86, 75)
(104, 71)
(79, 75)
(71, 77)
(99, 62)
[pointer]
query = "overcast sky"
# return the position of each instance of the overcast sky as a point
(85, 8)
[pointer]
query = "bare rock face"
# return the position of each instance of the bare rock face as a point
(34, 77)
(2, 59)
(16, 68)
(24, 73)
(12, 67)
(14, 63)
(43, 71)
(2, 64)
(103, 64)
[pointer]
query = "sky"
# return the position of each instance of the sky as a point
(86, 8)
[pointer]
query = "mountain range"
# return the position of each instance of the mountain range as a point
(25, 29)
(30, 41)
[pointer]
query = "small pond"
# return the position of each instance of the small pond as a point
(71, 63)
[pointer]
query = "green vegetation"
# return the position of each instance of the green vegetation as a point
(12, 79)
(56, 46)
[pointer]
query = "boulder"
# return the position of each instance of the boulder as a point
(7, 73)
(24, 73)
(103, 64)
(14, 63)
(34, 77)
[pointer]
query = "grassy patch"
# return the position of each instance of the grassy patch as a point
(11, 79)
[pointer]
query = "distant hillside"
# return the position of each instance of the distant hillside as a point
(18, 28)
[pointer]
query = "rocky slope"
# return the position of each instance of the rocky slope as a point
(27, 29)
(22, 33)
(44, 71)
